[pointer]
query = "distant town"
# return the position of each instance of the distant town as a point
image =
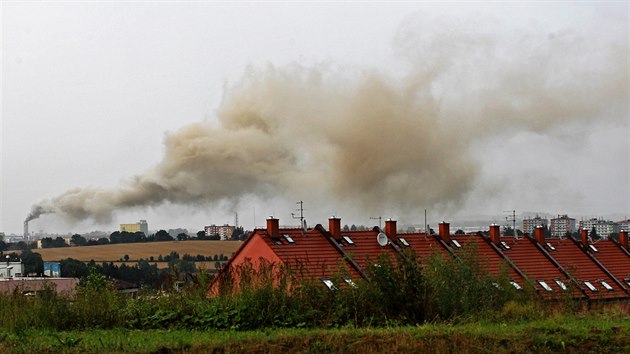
(558, 226)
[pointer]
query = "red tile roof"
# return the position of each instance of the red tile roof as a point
(537, 267)
(311, 255)
(584, 269)
(615, 259)
(424, 245)
(490, 257)
(364, 247)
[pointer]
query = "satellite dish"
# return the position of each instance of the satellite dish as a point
(382, 239)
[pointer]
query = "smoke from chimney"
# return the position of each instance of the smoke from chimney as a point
(371, 141)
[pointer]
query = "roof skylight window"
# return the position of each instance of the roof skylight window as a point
(350, 282)
(404, 242)
(329, 283)
(348, 240)
(288, 238)
(550, 246)
(606, 285)
(505, 245)
(276, 241)
(457, 244)
(593, 248)
(545, 285)
(516, 286)
(627, 280)
(590, 286)
(561, 284)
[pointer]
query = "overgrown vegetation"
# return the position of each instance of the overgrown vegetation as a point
(401, 291)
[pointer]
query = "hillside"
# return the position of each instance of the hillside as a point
(106, 253)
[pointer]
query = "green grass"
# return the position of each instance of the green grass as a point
(590, 333)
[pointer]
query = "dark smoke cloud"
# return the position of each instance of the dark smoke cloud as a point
(372, 141)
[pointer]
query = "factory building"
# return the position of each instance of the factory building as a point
(141, 226)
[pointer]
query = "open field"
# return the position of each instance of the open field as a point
(543, 336)
(107, 253)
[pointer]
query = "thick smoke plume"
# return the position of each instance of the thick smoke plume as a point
(369, 140)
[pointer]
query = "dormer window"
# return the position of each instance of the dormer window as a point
(561, 284)
(403, 241)
(348, 240)
(550, 246)
(545, 285)
(288, 238)
(516, 285)
(592, 247)
(457, 244)
(606, 285)
(505, 245)
(590, 285)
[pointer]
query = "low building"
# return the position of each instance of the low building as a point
(30, 286)
(11, 270)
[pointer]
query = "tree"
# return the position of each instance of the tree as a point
(459, 232)
(162, 235)
(201, 235)
(126, 258)
(182, 237)
(73, 268)
(594, 234)
(78, 240)
(33, 263)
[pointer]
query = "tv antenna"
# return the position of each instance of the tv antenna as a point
(379, 218)
(512, 218)
(301, 217)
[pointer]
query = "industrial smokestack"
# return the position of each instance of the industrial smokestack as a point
(26, 235)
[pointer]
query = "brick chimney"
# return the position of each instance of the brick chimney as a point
(623, 238)
(445, 233)
(495, 234)
(273, 227)
(539, 234)
(334, 227)
(390, 228)
(584, 236)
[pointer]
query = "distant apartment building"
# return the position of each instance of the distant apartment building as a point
(141, 226)
(603, 228)
(561, 225)
(529, 224)
(225, 232)
(623, 225)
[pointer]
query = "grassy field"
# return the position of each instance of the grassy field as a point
(107, 253)
(560, 334)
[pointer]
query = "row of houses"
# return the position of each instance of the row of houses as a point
(554, 267)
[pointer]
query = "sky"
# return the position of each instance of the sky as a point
(185, 113)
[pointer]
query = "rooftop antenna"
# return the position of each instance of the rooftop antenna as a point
(512, 218)
(235, 219)
(301, 217)
(379, 218)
